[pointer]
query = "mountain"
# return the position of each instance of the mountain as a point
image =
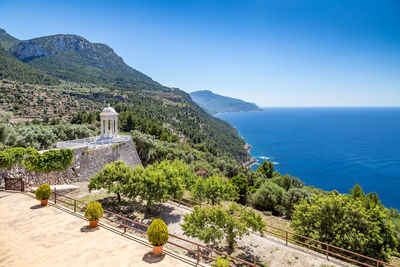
(73, 58)
(215, 103)
(13, 69)
(6, 40)
(93, 74)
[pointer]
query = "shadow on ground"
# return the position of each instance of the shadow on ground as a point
(38, 206)
(149, 257)
(87, 228)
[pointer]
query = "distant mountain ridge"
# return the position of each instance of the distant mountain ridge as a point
(215, 103)
(78, 69)
(6, 40)
(73, 58)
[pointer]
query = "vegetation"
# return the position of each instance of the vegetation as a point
(32, 160)
(39, 136)
(221, 262)
(6, 40)
(157, 233)
(43, 192)
(94, 211)
(13, 69)
(51, 160)
(113, 177)
(11, 156)
(349, 222)
(213, 189)
(215, 223)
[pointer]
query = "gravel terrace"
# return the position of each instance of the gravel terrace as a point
(270, 251)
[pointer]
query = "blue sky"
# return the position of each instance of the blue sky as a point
(273, 53)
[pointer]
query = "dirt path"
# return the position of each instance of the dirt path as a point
(31, 235)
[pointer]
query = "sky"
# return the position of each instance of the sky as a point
(273, 53)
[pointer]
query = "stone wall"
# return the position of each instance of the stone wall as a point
(86, 163)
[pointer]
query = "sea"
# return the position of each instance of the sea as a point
(329, 148)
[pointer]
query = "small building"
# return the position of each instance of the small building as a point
(109, 123)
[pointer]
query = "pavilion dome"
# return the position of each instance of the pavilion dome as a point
(108, 111)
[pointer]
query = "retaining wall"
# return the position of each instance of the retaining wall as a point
(86, 163)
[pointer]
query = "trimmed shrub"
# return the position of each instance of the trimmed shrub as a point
(158, 233)
(94, 211)
(43, 192)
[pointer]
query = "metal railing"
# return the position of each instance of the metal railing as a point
(123, 222)
(94, 141)
(325, 248)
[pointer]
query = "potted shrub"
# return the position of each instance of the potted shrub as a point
(43, 193)
(158, 235)
(94, 211)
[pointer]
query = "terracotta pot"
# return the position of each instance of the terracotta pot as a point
(157, 250)
(44, 202)
(93, 223)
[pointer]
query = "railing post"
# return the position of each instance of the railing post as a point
(327, 252)
(124, 225)
(377, 264)
(198, 254)
(74, 205)
(286, 237)
(55, 196)
(255, 260)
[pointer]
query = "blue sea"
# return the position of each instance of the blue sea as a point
(330, 148)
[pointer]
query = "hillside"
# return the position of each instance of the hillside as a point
(73, 58)
(13, 69)
(215, 103)
(93, 74)
(6, 40)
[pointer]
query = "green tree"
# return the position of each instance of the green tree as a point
(215, 223)
(293, 197)
(346, 222)
(266, 168)
(113, 177)
(213, 189)
(242, 184)
(268, 196)
(357, 191)
(156, 183)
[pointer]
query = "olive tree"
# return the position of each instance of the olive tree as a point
(217, 223)
(213, 189)
(113, 177)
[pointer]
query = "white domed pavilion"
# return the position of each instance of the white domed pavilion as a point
(109, 123)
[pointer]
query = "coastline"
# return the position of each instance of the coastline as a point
(251, 161)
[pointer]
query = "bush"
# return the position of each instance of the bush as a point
(52, 160)
(221, 262)
(43, 192)
(94, 211)
(346, 222)
(268, 196)
(293, 197)
(11, 156)
(157, 233)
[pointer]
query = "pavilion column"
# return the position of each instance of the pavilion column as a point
(107, 127)
(102, 127)
(116, 127)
